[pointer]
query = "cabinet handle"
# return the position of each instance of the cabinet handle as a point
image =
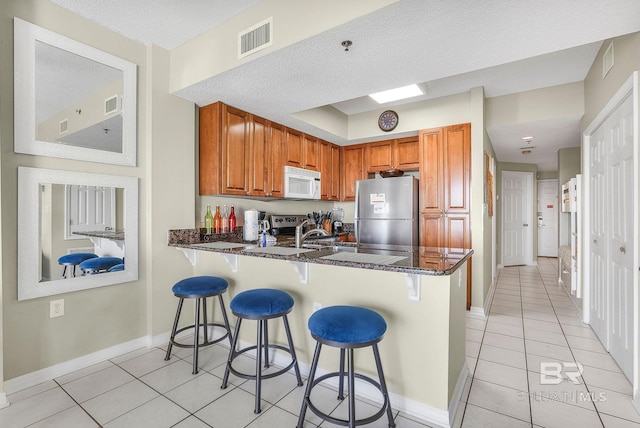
(623, 250)
(248, 193)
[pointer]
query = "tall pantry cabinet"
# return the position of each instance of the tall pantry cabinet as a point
(445, 185)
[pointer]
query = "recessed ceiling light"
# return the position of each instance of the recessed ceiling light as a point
(527, 138)
(397, 94)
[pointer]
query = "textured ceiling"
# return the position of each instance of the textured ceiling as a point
(506, 46)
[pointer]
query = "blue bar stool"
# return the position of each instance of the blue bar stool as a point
(99, 264)
(117, 268)
(199, 288)
(261, 305)
(73, 259)
(347, 328)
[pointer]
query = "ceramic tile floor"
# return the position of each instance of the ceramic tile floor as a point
(531, 322)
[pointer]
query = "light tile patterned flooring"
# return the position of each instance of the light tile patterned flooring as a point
(531, 321)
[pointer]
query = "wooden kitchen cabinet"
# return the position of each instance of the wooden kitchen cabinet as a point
(353, 169)
(275, 174)
(330, 171)
(407, 152)
(445, 185)
(311, 152)
(224, 148)
(401, 153)
(238, 155)
(379, 156)
(301, 150)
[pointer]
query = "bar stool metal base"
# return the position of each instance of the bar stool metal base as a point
(262, 344)
(197, 344)
(347, 328)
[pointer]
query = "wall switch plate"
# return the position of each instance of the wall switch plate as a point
(56, 308)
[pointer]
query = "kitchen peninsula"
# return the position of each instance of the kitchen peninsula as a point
(420, 292)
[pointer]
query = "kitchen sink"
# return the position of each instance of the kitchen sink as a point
(335, 248)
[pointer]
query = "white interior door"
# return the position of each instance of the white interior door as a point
(548, 218)
(89, 209)
(620, 129)
(611, 244)
(517, 227)
(597, 241)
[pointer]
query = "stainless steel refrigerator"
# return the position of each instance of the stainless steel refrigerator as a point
(387, 211)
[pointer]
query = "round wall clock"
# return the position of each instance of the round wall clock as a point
(388, 120)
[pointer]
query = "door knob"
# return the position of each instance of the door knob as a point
(623, 250)
(525, 225)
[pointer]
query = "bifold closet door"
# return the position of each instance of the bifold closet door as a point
(611, 161)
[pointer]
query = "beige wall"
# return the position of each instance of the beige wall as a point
(95, 319)
(598, 90)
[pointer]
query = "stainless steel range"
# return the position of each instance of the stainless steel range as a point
(285, 224)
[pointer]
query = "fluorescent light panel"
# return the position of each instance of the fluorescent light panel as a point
(397, 94)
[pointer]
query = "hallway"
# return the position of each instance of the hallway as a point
(532, 324)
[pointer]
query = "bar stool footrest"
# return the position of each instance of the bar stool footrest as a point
(263, 376)
(206, 342)
(345, 422)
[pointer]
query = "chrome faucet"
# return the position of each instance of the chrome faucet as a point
(300, 237)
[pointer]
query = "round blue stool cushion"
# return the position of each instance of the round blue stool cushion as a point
(200, 286)
(117, 268)
(261, 303)
(75, 258)
(350, 325)
(99, 263)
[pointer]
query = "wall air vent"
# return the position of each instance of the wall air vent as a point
(63, 128)
(256, 38)
(111, 105)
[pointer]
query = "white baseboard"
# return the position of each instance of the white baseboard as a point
(483, 311)
(454, 404)
(636, 403)
(3, 400)
(34, 378)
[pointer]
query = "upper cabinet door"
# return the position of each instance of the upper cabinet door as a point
(293, 148)
(258, 161)
(407, 153)
(379, 156)
(209, 149)
(457, 169)
(236, 126)
(431, 171)
(352, 170)
(275, 173)
(311, 153)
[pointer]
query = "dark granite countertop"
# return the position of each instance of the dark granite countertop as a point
(108, 234)
(415, 260)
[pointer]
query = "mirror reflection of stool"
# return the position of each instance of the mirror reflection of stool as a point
(117, 268)
(99, 265)
(199, 288)
(347, 328)
(73, 259)
(261, 305)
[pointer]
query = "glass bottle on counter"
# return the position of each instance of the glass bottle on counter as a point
(232, 220)
(217, 221)
(208, 220)
(225, 219)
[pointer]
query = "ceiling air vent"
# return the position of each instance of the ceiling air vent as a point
(63, 128)
(111, 105)
(255, 38)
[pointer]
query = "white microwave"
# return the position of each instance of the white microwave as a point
(301, 183)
